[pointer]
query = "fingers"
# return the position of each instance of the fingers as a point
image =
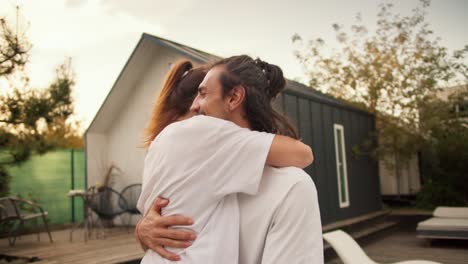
(160, 203)
(165, 254)
(173, 220)
(172, 243)
(178, 234)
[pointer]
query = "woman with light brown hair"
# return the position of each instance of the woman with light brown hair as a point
(175, 98)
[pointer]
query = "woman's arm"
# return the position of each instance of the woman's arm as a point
(286, 151)
(283, 151)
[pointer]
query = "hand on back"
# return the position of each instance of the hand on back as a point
(154, 233)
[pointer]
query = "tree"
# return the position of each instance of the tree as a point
(14, 49)
(31, 120)
(389, 73)
(445, 151)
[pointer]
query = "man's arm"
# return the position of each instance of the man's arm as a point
(295, 232)
(152, 231)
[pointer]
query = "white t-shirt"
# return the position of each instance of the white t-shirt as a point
(200, 164)
(281, 223)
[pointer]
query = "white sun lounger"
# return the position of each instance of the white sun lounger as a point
(351, 253)
(446, 223)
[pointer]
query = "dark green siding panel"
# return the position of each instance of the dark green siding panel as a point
(290, 109)
(320, 165)
(305, 121)
(330, 162)
(314, 121)
(305, 127)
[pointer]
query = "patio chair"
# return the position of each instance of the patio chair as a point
(351, 253)
(105, 203)
(129, 199)
(12, 217)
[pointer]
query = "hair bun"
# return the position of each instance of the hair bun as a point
(274, 75)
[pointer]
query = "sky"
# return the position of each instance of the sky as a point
(99, 35)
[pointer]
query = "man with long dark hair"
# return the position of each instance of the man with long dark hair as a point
(281, 223)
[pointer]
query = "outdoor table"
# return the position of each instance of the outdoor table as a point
(87, 218)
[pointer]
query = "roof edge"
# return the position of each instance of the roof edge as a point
(115, 83)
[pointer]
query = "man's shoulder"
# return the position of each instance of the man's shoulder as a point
(207, 120)
(198, 126)
(292, 175)
(288, 179)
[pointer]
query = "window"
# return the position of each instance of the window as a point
(340, 153)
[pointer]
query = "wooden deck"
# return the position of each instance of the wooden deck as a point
(120, 246)
(117, 246)
(403, 245)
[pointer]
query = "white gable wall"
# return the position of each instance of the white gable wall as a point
(96, 158)
(125, 137)
(121, 144)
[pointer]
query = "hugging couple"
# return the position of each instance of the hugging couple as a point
(223, 179)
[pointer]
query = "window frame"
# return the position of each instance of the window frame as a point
(342, 202)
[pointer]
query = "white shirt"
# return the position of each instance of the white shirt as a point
(281, 223)
(200, 164)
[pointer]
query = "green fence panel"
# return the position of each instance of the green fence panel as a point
(79, 176)
(48, 178)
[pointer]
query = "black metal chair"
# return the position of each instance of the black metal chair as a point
(130, 195)
(106, 202)
(12, 217)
